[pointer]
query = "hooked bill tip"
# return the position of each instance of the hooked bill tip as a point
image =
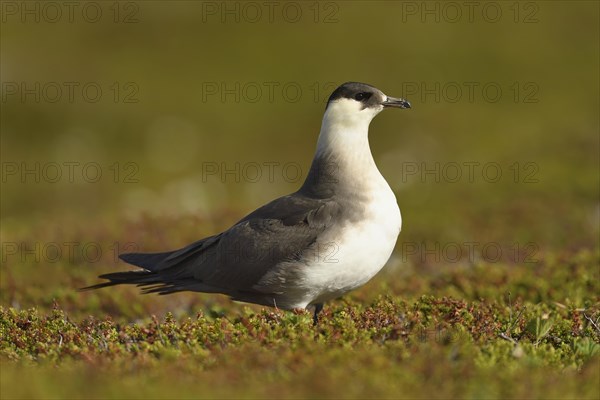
(396, 102)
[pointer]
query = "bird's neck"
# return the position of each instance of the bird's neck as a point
(343, 158)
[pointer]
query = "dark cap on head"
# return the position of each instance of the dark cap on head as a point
(368, 95)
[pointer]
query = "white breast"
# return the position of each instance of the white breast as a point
(353, 258)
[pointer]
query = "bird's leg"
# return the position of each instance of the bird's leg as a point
(318, 308)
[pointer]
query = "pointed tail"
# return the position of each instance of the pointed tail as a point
(150, 262)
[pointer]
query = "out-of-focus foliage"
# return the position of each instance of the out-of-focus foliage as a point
(180, 129)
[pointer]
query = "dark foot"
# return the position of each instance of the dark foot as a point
(318, 308)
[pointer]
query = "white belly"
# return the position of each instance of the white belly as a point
(348, 262)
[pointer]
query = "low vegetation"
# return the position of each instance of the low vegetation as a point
(469, 331)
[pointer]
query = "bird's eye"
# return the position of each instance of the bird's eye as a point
(362, 96)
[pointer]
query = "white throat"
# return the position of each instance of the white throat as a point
(344, 136)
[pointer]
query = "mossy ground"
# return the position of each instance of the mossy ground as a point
(484, 330)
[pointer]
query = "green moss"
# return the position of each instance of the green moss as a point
(429, 346)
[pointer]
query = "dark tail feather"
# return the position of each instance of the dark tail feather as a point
(163, 273)
(141, 278)
(149, 261)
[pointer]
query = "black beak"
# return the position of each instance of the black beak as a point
(396, 102)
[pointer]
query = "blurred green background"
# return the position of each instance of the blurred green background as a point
(173, 59)
(160, 98)
(123, 123)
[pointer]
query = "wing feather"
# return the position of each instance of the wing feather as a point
(272, 237)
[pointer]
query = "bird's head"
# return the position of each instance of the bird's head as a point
(359, 103)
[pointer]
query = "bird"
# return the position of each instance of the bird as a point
(331, 236)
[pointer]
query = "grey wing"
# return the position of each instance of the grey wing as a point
(272, 238)
(279, 232)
